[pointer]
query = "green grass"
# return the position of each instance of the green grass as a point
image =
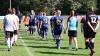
(39, 47)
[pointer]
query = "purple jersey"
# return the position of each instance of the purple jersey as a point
(58, 23)
(92, 18)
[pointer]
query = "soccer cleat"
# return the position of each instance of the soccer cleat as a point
(86, 47)
(8, 49)
(58, 47)
(76, 49)
(92, 52)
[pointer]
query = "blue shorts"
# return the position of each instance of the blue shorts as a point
(44, 27)
(58, 30)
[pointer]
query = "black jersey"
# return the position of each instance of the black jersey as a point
(92, 18)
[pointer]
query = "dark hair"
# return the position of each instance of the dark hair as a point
(9, 11)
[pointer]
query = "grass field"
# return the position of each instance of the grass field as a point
(32, 45)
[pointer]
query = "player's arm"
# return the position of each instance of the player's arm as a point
(81, 27)
(97, 25)
(18, 22)
(67, 27)
(4, 22)
(90, 26)
(82, 24)
(40, 23)
(51, 23)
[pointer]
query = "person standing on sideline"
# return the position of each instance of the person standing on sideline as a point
(32, 22)
(58, 26)
(9, 28)
(93, 24)
(72, 24)
(26, 22)
(16, 28)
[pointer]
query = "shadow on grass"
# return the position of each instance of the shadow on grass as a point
(3, 49)
(59, 53)
(37, 42)
(2, 43)
(48, 47)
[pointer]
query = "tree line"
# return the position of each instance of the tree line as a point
(81, 6)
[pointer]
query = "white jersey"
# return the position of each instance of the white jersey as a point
(9, 23)
(16, 22)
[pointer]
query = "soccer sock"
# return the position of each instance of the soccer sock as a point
(58, 43)
(92, 45)
(16, 37)
(86, 44)
(46, 35)
(8, 42)
(89, 45)
(32, 31)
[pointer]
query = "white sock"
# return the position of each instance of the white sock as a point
(15, 39)
(70, 46)
(12, 40)
(8, 42)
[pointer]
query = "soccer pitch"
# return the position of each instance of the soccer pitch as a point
(32, 45)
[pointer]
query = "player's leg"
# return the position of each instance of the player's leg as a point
(46, 32)
(75, 39)
(52, 31)
(85, 37)
(8, 39)
(92, 43)
(70, 42)
(11, 39)
(86, 45)
(9, 36)
(15, 37)
(58, 41)
(32, 30)
(76, 44)
(70, 39)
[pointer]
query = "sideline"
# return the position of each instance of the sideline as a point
(26, 48)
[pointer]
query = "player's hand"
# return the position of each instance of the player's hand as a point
(94, 30)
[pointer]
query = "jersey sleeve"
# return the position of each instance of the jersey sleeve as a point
(68, 19)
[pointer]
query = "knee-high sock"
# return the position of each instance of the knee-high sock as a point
(12, 41)
(86, 45)
(16, 37)
(89, 45)
(92, 45)
(8, 43)
(58, 43)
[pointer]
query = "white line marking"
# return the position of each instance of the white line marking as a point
(26, 48)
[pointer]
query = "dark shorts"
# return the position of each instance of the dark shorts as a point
(90, 33)
(8, 34)
(57, 32)
(44, 28)
(72, 33)
(15, 32)
(32, 28)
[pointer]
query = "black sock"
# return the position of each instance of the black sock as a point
(92, 45)
(89, 45)
(86, 45)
